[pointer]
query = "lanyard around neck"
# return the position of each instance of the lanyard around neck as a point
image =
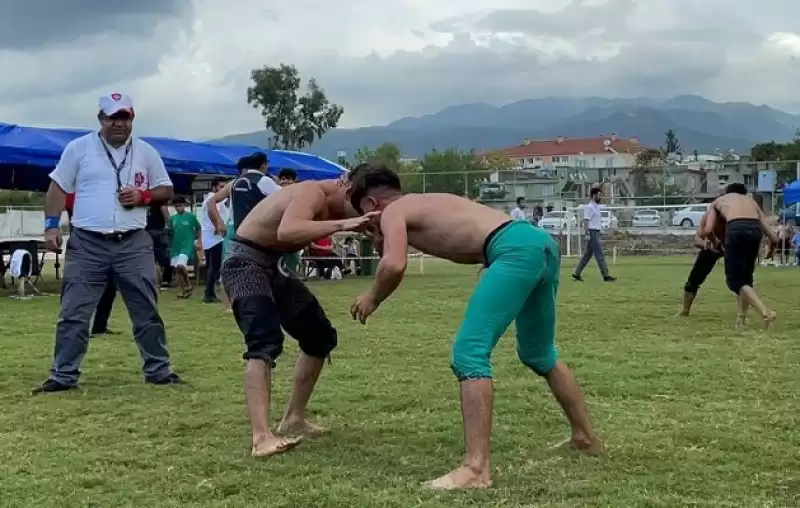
(117, 168)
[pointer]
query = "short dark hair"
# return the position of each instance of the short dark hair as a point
(259, 159)
(520, 200)
(595, 191)
(352, 175)
(244, 163)
(288, 173)
(736, 188)
(180, 200)
(217, 181)
(373, 177)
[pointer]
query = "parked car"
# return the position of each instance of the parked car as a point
(558, 221)
(609, 220)
(646, 219)
(690, 216)
(790, 214)
(492, 191)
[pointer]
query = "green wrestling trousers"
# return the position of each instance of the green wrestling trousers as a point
(292, 261)
(520, 284)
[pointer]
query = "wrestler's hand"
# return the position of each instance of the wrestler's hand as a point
(363, 307)
(359, 224)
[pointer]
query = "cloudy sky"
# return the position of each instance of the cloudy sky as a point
(187, 62)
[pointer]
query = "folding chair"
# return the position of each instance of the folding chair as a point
(21, 266)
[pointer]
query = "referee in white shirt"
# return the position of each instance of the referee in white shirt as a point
(593, 220)
(115, 177)
(519, 212)
(212, 241)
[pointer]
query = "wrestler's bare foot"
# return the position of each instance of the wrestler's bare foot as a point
(741, 320)
(683, 313)
(463, 477)
(301, 428)
(769, 319)
(273, 445)
(592, 447)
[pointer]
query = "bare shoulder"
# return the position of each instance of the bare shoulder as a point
(307, 190)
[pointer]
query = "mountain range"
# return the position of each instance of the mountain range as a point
(699, 123)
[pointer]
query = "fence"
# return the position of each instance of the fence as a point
(563, 187)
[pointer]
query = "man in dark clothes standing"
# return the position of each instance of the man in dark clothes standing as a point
(157, 219)
(106, 303)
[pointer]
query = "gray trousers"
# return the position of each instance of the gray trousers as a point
(89, 262)
(593, 248)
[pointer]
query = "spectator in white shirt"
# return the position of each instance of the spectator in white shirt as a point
(115, 178)
(593, 221)
(520, 212)
(212, 239)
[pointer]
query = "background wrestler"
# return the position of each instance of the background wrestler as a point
(710, 252)
(745, 224)
(265, 297)
(519, 284)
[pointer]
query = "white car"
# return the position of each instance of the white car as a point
(646, 219)
(690, 216)
(608, 219)
(557, 221)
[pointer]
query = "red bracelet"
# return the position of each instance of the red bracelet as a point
(146, 196)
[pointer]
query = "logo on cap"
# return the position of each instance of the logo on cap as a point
(116, 97)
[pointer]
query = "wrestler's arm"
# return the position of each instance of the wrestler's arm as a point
(218, 197)
(712, 216)
(392, 266)
(699, 241)
(766, 228)
(298, 226)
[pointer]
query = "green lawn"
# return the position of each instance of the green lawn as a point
(693, 412)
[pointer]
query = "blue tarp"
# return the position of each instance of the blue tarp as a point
(791, 193)
(28, 154)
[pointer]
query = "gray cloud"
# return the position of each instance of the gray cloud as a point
(32, 24)
(191, 69)
(574, 20)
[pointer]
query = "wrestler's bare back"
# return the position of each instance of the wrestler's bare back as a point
(737, 206)
(447, 226)
(261, 224)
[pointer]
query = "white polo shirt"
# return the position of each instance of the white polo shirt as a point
(84, 169)
(208, 235)
(519, 214)
(591, 213)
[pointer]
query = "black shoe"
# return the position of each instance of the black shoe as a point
(51, 386)
(172, 379)
(609, 278)
(210, 299)
(577, 278)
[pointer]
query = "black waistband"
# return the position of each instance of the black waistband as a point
(260, 248)
(111, 237)
(489, 239)
(743, 223)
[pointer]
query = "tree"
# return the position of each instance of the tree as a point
(454, 172)
(295, 121)
(671, 143)
(21, 198)
(388, 154)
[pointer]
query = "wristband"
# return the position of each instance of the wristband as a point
(146, 196)
(52, 223)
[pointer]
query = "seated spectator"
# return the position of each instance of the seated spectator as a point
(326, 268)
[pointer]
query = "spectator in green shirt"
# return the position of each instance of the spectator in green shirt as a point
(185, 235)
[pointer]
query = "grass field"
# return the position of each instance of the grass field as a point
(693, 412)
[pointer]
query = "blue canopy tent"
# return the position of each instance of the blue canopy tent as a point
(791, 193)
(28, 154)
